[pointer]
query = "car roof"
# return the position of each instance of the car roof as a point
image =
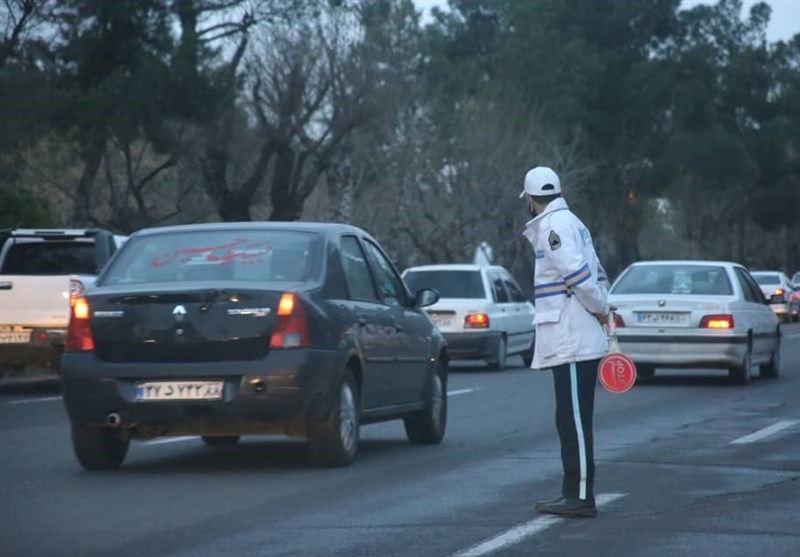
(317, 227)
(684, 262)
(454, 267)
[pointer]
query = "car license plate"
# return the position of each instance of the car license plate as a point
(441, 320)
(15, 337)
(662, 318)
(179, 390)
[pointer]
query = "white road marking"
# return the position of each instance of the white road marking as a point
(30, 400)
(462, 392)
(519, 533)
(171, 440)
(761, 433)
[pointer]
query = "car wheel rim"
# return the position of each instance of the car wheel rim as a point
(347, 418)
(437, 401)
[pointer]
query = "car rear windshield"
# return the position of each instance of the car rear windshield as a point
(249, 255)
(674, 279)
(767, 279)
(449, 284)
(50, 258)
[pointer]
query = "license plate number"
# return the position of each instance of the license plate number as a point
(15, 337)
(179, 390)
(662, 318)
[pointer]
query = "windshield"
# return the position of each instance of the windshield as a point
(449, 284)
(674, 279)
(250, 255)
(50, 258)
(766, 278)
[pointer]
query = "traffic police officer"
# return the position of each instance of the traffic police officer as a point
(570, 292)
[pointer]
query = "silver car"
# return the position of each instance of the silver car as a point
(695, 314)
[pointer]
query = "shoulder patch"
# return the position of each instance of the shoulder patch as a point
(554, 240)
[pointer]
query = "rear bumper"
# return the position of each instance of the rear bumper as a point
(468, 346)
(287, 387)
(42, 350)
(664, 351)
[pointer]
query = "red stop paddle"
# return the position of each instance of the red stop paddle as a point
(616, 371)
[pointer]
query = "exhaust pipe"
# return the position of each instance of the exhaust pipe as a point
(113, 420)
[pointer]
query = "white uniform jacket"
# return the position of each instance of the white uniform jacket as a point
(570, 285)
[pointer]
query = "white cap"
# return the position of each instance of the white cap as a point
(541, 181)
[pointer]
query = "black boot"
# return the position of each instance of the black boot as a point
(570, 508)
(549, 502)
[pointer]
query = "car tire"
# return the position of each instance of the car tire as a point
(221, 440)
(334, 442)
(99, 448)
(772, 369)
(498, 360)
(645, 372)
(740, 374)
(428, 426)
(527, 356)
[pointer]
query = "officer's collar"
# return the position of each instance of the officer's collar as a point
(559, 204)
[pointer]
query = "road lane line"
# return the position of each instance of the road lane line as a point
(30, 400)
(461, 392)
(761, 433)
(523, 531)
(170, 440)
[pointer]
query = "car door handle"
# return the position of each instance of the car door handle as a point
(398, 327)
(362, 322)
(6, 285)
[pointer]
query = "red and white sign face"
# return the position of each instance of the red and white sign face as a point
(617, 373)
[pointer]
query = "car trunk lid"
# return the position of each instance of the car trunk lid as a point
(200, 324)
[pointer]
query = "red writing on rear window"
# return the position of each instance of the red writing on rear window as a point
(242, 250)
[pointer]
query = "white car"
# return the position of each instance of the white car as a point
(481, 312)
(777, 288)
(695, 314)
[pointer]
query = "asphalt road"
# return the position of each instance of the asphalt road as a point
(687, 465)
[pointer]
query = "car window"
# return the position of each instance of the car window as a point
(499, 292)
(390, 285)
(449, 284)
(204, 255)
(755, 292)
(747, 289)
(356, 272)
(766, 278)
(675, 279)
(50, 258)
(513, 290)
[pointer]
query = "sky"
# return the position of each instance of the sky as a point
(783, 24)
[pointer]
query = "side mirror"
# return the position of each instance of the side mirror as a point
(777, 299)
(426, 297)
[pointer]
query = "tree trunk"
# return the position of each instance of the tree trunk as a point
(92, 158)
(233, 207)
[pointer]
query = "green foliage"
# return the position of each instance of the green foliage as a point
(20, 208)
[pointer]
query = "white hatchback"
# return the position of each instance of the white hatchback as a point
(481, 311)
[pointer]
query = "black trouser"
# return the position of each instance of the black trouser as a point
(575, 384)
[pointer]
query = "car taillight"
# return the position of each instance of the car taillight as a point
(79, 333)
(717, 322)
(618, 321)
(76, 290)
(780, 292)
(476, 321)
(291, 327)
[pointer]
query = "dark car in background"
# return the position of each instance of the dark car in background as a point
(222, 330)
